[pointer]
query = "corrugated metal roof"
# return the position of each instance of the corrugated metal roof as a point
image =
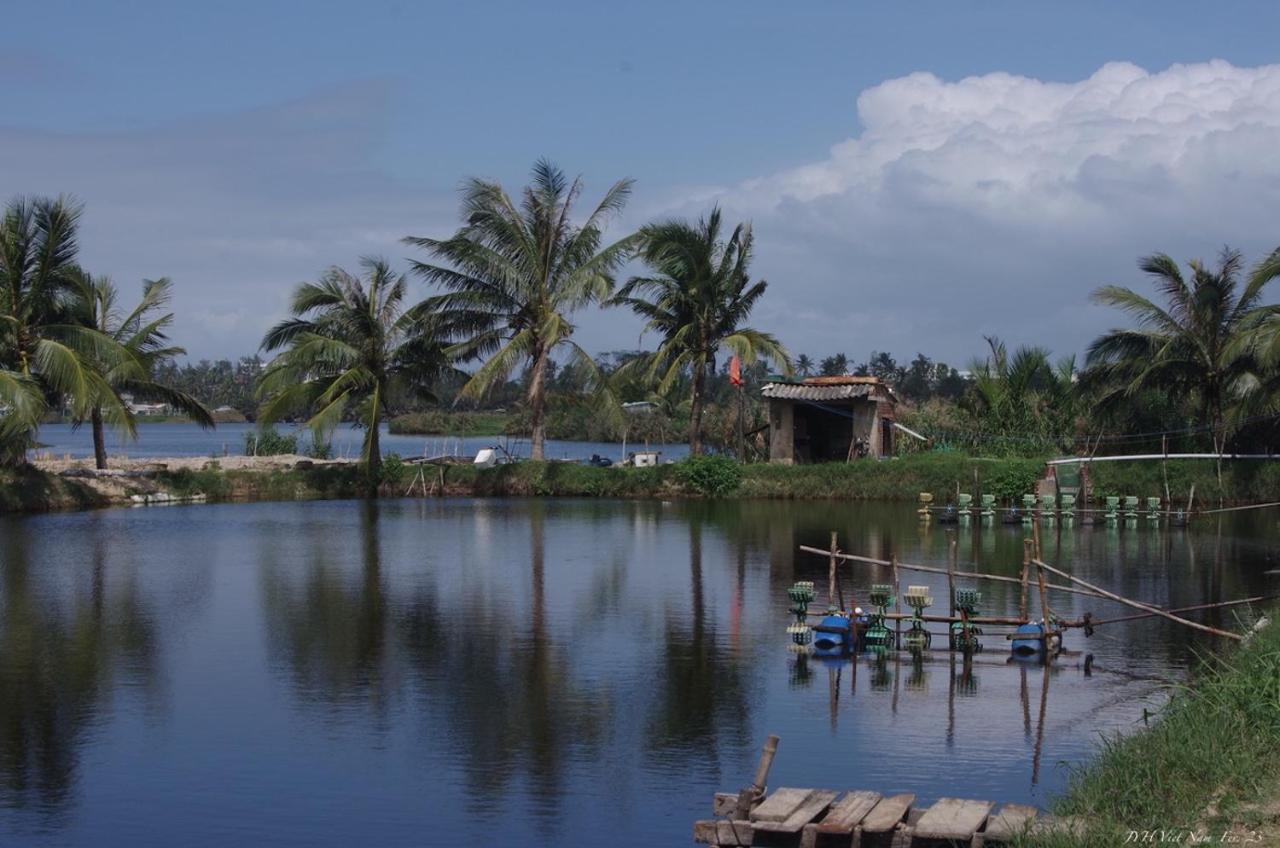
(799, 391)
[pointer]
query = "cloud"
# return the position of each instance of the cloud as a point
(236, 208)
(996, 203)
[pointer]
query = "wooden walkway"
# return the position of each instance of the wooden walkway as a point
(815, 818)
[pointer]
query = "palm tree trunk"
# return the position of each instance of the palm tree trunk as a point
(99, 440)
(537, 398)
(374, 469)
(695, 409)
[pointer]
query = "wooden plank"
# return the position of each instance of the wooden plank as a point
(780, 804)
(1011, 822)
(724, 803)
(886, 814)
(813, 806)
(846, 813)
(953, 819)
(723, 832)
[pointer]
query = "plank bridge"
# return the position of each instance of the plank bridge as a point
(816, 818)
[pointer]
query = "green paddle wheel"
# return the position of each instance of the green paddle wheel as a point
(801, 595)
(879, 637)
(964, 633)
(917, 638)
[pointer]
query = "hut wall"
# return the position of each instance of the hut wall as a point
(782, 440)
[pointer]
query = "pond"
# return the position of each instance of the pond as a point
(179, 438)
(452, 672)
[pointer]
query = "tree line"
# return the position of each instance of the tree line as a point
(1201, 362)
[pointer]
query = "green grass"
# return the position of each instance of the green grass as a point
(1243, 481)
(28, 489)
(1210, 754)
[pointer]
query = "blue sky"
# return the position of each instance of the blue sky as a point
(242, 147)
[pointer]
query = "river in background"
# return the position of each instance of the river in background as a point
(531, 672)
(185, 439)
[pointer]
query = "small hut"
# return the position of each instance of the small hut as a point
(829, 419)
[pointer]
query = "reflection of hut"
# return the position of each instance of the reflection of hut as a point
(829, 419)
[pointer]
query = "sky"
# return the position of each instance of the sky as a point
(917, 175)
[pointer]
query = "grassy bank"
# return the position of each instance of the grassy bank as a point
(31, 490)
(1243, 481)
(1207, 765)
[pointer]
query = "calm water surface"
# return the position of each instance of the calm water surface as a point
(522, 672)
(182, 439)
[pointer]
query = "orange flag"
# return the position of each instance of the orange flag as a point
(735, 371)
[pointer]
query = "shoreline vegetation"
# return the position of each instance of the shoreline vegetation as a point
(1203, 772)
(51, 485)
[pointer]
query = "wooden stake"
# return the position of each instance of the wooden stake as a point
(897, 599)
(748, 797)
(831, 572)
(952, 556)
(1144, 607)
(1026, 569)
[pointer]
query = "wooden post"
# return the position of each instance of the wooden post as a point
(748, 797)
(1145, 607)
(831, 572)
(1045, 616)
(953, 555)
(1026, 568)
(897, 601)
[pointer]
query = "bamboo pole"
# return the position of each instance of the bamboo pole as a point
(932, 570)
(1138, 605)
(831, 572)
(1026, 568)
(1219, 604)
(953, 555)
(897, 601)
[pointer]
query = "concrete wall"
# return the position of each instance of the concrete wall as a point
(782, 446)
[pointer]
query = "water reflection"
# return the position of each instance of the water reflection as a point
(438, 664)
(63, 650)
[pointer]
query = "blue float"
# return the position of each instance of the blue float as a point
(1027, 647)
(831, 637)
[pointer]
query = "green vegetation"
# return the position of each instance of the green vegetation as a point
(440, 423)
(351, 343)
(515, 275)
(1202, 767)
(699, 295)
(714, 476)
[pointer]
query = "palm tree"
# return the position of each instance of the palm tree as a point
(804, 365)
(514, 275)
(1024, 398)
(44, 355)
(1196, 349)
(141, 333)
(697, 299)
(351, 342)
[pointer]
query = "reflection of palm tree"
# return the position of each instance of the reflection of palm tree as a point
(333, 636)
(703, 693)
(59, 665)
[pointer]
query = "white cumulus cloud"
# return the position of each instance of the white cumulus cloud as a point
(995, 203)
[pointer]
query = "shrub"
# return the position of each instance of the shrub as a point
(269, 442)
(395, 470)
(710, 475)
(320, 449)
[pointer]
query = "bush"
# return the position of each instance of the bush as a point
(710, 475)
(395, 470)
(320, 449)
(269, 442)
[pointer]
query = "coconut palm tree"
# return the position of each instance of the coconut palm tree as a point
(351, 343)
(141, 333)
(44, 355)
(804, 365)
(1197, 348)
(697, 299)
(515, 274)
(1023, 398)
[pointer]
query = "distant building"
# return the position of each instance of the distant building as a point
(829, 419)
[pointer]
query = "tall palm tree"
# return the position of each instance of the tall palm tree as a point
(804, 365)
(141, 333)
(1195, 348)
(44, 355)
(697, 299)
(514, 276)
(352, 342)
